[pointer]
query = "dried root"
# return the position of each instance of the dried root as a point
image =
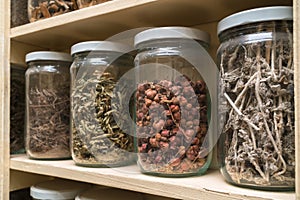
(257, 109)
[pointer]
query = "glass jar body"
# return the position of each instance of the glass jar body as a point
(256, 105)
(98, 138)
(172, 109)
(17, 109)
(47, 110)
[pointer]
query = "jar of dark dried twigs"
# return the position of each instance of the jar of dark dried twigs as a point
(47, 105)
(256, 96)
(101, 136)
(17, 108)
(172, 101)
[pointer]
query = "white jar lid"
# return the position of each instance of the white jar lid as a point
(48, 55)
(172, 32)
(256, 15)
(101, 193)
(100, 46)
(57, 189)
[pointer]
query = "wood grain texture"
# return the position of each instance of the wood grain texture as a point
(208, 186)
(4, 98)
(104, 20)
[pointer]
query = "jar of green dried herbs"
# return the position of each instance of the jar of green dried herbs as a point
(48, 105)
(256, 96)
(99, 134)
(172, 102)
(17, 108)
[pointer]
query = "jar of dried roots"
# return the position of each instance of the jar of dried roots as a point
(43, 9)
(256, 98)
(100, 138)
(47, 105)
(172, 102)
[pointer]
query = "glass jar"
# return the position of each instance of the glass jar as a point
(47, 105)
(99, 138)
(17, 108)
(87, 3)
(42, 9)
(172, 102)
(57, 189)
(256, 94)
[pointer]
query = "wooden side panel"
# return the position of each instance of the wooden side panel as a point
(296, 33)
(4, 98)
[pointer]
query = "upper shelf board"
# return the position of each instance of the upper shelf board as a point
(107, 19)
(209, 186)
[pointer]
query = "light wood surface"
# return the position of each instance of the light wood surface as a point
(104, 20)
(4, 98)
(208, 186)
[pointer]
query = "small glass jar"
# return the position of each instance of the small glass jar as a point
(57, 189)
(17, 108)
(98, 135)
(42, 9)
(47, 105)
(87, 3)
(172, 102)
(256, 98)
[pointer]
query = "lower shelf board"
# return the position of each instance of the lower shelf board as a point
(208, 186)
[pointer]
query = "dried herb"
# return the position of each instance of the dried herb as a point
(171, 126)
(41, 9)
(48, 129)
(258, 111)
(19, 15)
(17, 109)
(88, 3)
(97, 139)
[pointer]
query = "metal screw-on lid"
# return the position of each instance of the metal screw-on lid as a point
(174, 32)
(100, 46)
(48, 55)
(256, 15)
(57, 189)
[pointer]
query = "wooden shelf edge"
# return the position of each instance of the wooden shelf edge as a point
(208, 186)
(75, 16)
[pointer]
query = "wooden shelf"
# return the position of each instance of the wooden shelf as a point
(208, 186)
(107, 19)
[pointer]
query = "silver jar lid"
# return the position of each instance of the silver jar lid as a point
(57, 189)
(100, 46)
(48, 55)
(175, 32)
(256, 15)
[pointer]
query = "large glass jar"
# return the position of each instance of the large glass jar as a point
(99, 134)
(172, 102)
(17, 108)
(256, 96)
(47, 105)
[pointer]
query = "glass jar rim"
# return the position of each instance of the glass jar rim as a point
(171, 32)
(273, 13)
(100, 46)
(48, 55)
